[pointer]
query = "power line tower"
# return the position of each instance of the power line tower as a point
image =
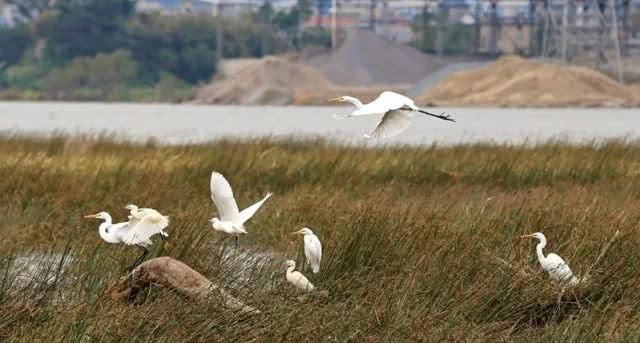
(584, 31)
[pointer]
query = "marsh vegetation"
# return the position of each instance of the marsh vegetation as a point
(420, 243)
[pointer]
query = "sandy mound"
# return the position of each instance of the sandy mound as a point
(269, 81)
(232, 66)
(366, 58)
(514, 82)
(277, 81)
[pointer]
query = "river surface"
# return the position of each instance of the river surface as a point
(176, 124)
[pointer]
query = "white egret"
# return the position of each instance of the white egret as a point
(297, 279)
(396, 110)
(312, 248)
(136, 214)
(138, 234)
(231, 220)
(553, 264)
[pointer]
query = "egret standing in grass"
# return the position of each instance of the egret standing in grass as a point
(312, 248)
(138, 234)
(136, 214)
(231, 220)
(396, 110)
(297, 279)
(553, 264)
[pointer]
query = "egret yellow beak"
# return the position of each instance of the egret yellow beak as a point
(526, 236)
(335, 99)
(297, 232)
(91, 216)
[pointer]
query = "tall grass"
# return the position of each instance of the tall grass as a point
(420, 244)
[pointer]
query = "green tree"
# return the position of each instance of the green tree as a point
(265, 13)
(13, 43)
(290, 22)
(86, 28)
(182, 46)
(105, 76)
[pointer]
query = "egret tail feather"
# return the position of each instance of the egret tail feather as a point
(440, 116)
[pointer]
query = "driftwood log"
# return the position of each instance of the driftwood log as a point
(174, 275)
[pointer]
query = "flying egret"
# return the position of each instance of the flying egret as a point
(297, 279)
(553, 264)
(312, 248)
(231, 220)
(136, 214)
(138, 234)
(396, 110)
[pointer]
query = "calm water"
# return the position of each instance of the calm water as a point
(194, 123)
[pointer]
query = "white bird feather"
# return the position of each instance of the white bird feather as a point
(231, 220)
(396, 110)
(312, 248)
(297, 279)
(553, 264)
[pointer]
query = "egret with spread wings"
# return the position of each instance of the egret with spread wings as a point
(231, 220)
(396, 110)
(136, 214)
(138, 233)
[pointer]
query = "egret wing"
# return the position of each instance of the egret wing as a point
(393, 100)
(391, 124)
(558, 268)
(140, 213)
(248, 212)
(385, 102)
(300, 281)
(135, 218)
(222, 197)
(148, 226)
(313, 251)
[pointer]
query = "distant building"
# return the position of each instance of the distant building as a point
(175, 6)
(211, 7)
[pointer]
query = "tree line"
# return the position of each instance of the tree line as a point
(104, 50)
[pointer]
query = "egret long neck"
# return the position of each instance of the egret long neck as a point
(539, 248)
(357, 103)
(104, 231)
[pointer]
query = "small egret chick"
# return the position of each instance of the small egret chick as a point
(136, 214)
(297, 279)
(396, 110)
(312, 248)
(553, 264)
(139, 234)
(231, 220)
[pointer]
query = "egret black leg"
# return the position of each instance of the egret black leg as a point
(237, 241)
(139, 260)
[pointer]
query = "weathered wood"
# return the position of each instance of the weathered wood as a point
(172, 274)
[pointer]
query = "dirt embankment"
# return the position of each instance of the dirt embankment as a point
(278, 81)
(515, 82)
(269, 81)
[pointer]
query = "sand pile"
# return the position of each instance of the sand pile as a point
(515, 82)
(366, 58)
(278, 81)
(269, 81)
